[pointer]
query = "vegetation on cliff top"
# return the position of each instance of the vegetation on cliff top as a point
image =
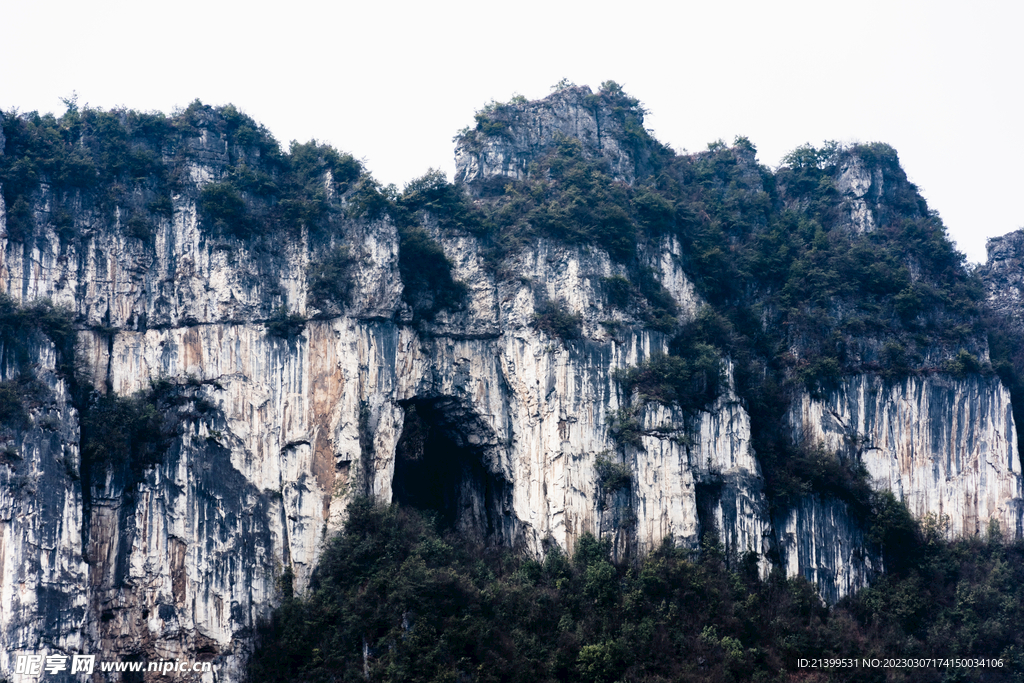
(122, 167)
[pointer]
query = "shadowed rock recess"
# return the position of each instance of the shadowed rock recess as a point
(211, 346)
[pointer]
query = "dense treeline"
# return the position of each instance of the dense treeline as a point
(395, 599)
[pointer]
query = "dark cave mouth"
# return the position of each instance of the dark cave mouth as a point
(438, 471)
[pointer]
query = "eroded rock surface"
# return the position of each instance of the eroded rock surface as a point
(943, 445)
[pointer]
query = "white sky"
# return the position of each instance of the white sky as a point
(392, 82)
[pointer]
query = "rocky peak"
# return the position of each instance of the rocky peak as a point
(1005, 249)
(510, 136)
(1003, 276)
(863, 182)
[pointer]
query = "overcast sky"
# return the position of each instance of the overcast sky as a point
(392, 82)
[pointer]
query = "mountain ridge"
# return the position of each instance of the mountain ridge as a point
(610, 338)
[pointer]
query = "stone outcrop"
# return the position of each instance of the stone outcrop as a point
(525, 132)
(945, 446)
(822, 541)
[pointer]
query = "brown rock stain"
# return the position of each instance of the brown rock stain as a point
(191, 349)
(326, 384)
(103, 535)
(176, 553)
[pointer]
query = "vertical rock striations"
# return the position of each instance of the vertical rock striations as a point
(945, 446)
(44, 599)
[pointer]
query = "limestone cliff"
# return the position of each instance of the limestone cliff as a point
(274, 418)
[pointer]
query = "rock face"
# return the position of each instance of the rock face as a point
(1003, 276)
(871, 188)
(820, 540)
(275, 435)
(945, 446)
(44, 599)
(503, 428)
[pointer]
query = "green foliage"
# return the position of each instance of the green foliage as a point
(132, 433)
(89, 159)
(1006, 352)
(962, 597)
(553, 319)
(809, 157)
(673, 379)
(660, 312)
(12, 412)
(316, 167)
(23, 329)
(314, 173)
(119, 430)
(821, 375)
(691, 379)
(800, 300)
(330, 281)
(139, 227)
(812, 469)
(619, 291)
(444, 202)
(427, 274)
(489, 126)
(285, 325)
(429, 607)
(654, 212)
(20, 326)
(371, 200)
(108, 160)
(964, 364)
(894, 530)
(612, 475)
(222, 205)
(16, 397)
(743, 142)
(280, 194)
(896, 362)
(625, 428)
(570, 198)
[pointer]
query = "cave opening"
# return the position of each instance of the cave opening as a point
(441, 467)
